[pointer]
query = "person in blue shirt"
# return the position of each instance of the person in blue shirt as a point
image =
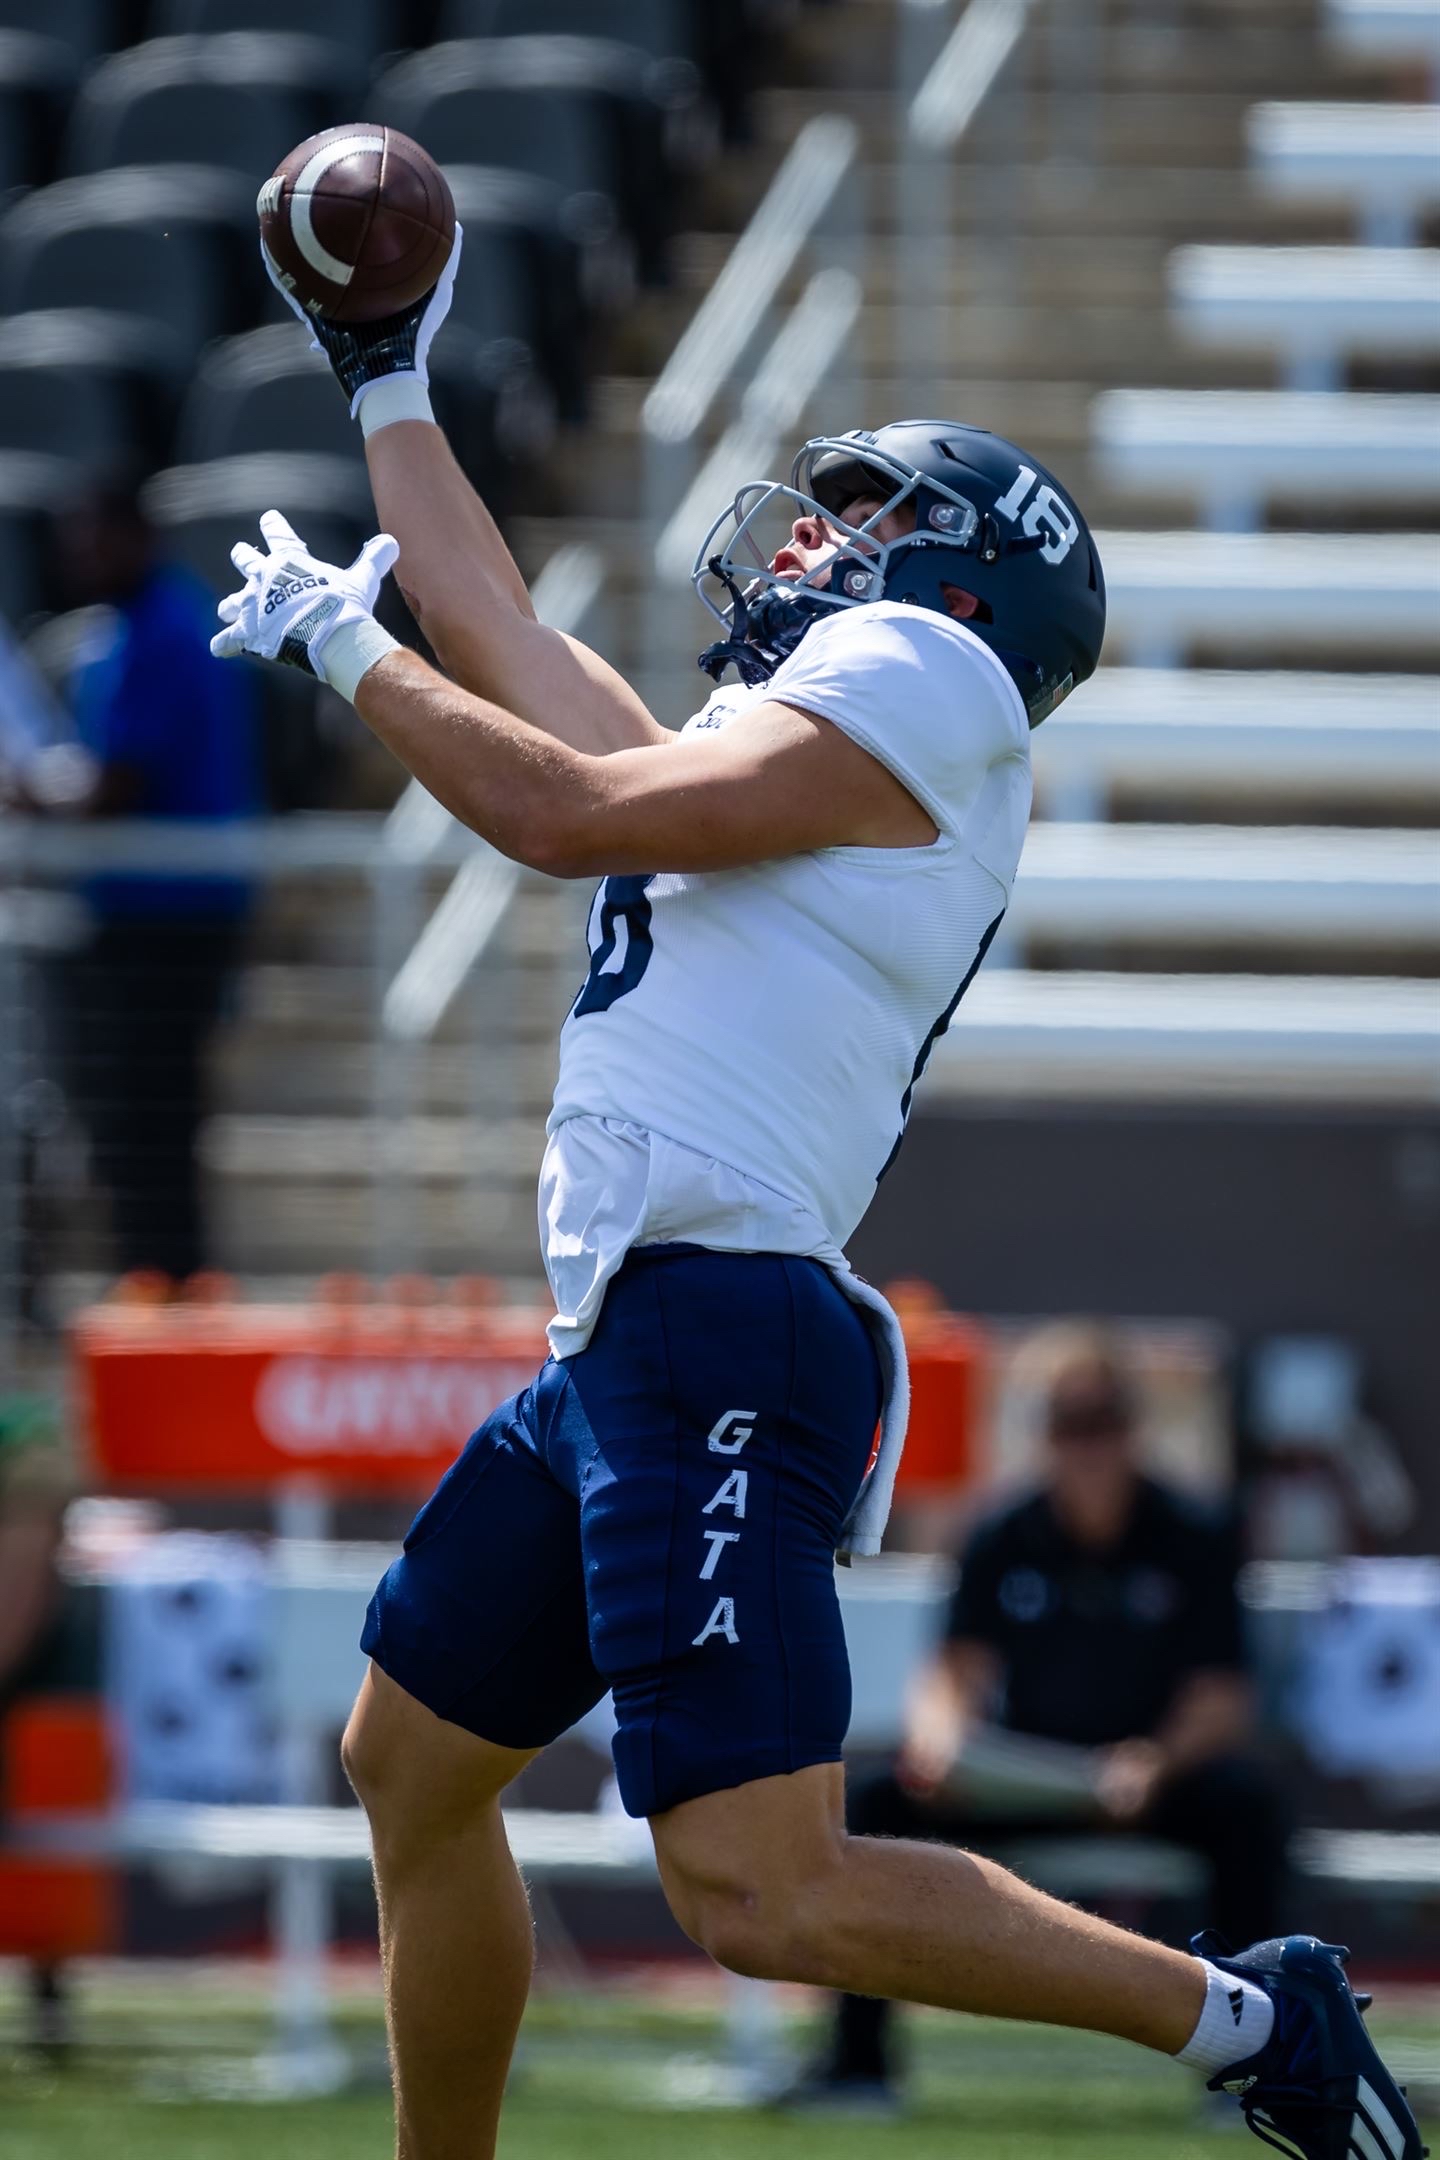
(171, 733)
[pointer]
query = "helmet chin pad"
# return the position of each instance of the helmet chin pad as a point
(765, 628)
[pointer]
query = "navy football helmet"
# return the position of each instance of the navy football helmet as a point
(986, 519)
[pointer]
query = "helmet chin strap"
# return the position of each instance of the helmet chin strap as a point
(762, 633)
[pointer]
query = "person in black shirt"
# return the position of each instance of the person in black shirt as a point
(1097, 1614)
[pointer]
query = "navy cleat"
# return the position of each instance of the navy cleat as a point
(1317, 2089)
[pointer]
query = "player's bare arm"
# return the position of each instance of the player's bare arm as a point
(457, 574)
(777, 782)
(463, 587)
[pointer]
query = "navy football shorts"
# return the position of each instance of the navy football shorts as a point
(657, 1515)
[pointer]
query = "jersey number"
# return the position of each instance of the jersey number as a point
(620, 943)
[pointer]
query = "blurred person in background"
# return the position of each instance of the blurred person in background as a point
(1097, 1616)
(166, 733)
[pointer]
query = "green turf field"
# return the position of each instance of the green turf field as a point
(174, 2072)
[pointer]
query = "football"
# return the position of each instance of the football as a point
(358, 221)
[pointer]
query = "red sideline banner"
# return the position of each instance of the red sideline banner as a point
(162, 1409)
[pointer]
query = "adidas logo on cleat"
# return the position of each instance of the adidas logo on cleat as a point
(1238, 2085)
(1373, 2129)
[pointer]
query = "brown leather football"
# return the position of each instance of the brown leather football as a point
(359, 222)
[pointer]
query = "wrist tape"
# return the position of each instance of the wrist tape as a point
(390, 398)
(349, 652)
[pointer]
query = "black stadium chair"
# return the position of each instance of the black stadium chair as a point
(265, 390)
(583, 112)
(85, 28)
(450, 99)
(362, 27)
(666, 29)
(82, 411)
(86, 385)
(170, 245)
(31, 485)
(240, 101)
(37, 79)
(497, 411)
(564, 262)
(495, 295)
(722, 41)
(202, 510)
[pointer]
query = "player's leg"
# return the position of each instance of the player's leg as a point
(766, 1878)
(863, 2055)
(477, 1637)
(713, 1613)
(729, 1402)
(456, 1942)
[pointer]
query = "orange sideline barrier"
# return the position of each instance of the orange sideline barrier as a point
(381, 1396)
(55, 1757)
(363, 1397)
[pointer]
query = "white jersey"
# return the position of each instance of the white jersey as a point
(737, 1069)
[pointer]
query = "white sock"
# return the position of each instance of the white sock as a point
(1237, 2020)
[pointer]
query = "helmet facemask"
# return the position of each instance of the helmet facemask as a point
(765, 613)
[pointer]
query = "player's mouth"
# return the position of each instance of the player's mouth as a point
(788, 564)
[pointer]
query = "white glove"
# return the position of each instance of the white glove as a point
(395, 351)
(303, 612)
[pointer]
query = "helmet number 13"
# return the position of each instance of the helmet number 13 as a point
(1048, 517)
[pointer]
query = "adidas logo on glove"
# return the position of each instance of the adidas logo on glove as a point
(289, 588)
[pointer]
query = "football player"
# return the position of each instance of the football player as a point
(796, 889)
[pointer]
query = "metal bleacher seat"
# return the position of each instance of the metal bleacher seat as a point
(1310, 306)
(1265, 594)
(1231, 450)
(1325, 890)
(239, 100)
(37, 77)
(204, 509)
(169, 246)
(1385, 29)
(1073, 1033)
(1253, 735)
(1382, 160)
